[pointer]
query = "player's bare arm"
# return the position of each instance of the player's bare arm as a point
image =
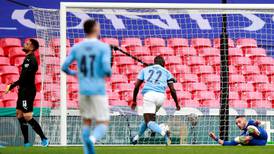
(174, 95)
(135, 93)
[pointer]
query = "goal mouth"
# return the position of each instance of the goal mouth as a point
(189, 37)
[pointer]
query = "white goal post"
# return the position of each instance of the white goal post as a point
(65, 7)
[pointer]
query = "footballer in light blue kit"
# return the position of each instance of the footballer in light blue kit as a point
(94, 64)
(253, 134)
(156, 79)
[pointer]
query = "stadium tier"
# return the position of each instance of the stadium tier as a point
(194, 62)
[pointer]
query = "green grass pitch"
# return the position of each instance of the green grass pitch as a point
(143, 150)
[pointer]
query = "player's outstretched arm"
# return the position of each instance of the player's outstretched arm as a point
(135, 93)
(222, 142)
(174, 95)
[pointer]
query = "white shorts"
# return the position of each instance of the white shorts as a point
(94, 107)
(152, 102)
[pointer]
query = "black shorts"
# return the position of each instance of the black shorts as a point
(25, 100)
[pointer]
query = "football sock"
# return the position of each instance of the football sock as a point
(24, 129)
(36, 127)
(155, 127)
(98, 132)
(88, 146)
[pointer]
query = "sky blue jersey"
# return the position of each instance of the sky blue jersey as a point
(93, 62)
(155, 77)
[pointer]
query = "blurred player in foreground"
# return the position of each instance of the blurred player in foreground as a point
(27, 92)
(252, 134)
(94, 64)
(156, 79)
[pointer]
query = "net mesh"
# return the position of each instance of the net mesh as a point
(189, 40)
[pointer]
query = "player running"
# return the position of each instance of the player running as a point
(156, 79)
(27, 92)
(94, 64)
(252, 134)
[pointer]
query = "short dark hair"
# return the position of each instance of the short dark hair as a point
(159, 60)
(35, 44)
(89, 26)
(239, 116)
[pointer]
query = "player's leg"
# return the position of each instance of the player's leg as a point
(257, 142)
(36, 127)
(27, 113)
(24, 126)
(142, 129)
(101, 112)
(86, 113)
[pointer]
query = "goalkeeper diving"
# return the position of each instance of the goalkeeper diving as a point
(253, 134)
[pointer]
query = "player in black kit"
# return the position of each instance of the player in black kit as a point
(27, 92)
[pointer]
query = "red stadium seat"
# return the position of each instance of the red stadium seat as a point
(10, 42)
(189, 103)
(4, 61)
(241, 87)
(10, 99)
(188, 78)
(213, 61)
(72, 105)
(18, 61)
(173, 60)
(124, 60)
(233, 95)
(72, 79)
(261, 61)
(269, 96)
(209, 52)
(178, 86)
(200, 42)
(179, 69)
(264, 87)
(217, 43)
(9, 78)
(238, 104)
(41, 41)
(203, 95)
(119, 79)
(55, 43)
(124, 87)
(239, 61)
(202, 69)
(209, 78)
(249, 69)
(118, 103)
(154, 42)
(77, 40)
(177, 42)
(15, 52)
(267, 69)
(235, 52)
(251, 96)
(8, 70)
(254, 52)
(214, 86)
(2, 53)
(260, 104)
(257, 78)
(236, 78)
(210, 103)
(112, 41)
(140, 51)
(185, 51)
(148, 59)
(163, 51)
(131, 69)
(246, 42)
(169, 103)
(47, 52)
(193, 87)
(113, 96)
(194, 60)
(131, 42)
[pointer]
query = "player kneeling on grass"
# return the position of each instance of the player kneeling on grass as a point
(252, 134)
(156, 79)
(93, 61)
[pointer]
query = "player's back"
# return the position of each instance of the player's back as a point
(93, 62)
(155, 78)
